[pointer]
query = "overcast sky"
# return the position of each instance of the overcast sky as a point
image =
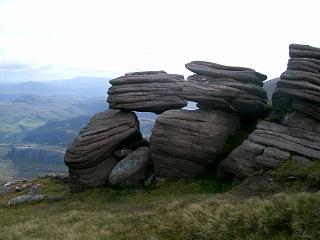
(107, 38)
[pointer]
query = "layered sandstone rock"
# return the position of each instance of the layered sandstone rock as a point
(89, 157)
(184, 143)
(234, 89)
(299, 86)
(297, 103)
(147, 92)
(270, 144)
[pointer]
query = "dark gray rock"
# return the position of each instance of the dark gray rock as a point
(132, 170)
(146, 92)
(184, 143)
(25, 198)
(226, 90)
(304, 51)
(89, 157)
(222, 71)
(270, 144)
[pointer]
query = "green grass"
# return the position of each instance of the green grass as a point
(185, 209)
(304, 176)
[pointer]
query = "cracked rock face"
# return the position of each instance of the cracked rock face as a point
(234, 89)
(89, 157)
(184, 143)
(153, 91)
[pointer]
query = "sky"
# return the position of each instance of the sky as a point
(49, 39)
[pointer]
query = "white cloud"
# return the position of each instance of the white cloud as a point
(121, 36)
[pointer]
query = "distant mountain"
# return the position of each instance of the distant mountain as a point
(270, 86)
(80, 86)
(57, 132)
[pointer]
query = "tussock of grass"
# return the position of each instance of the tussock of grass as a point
(186, 209)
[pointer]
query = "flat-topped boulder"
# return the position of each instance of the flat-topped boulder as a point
(89, 157)
(151, 91)
(222, 71)
(184, 143)
(272, 143)
(233, 89)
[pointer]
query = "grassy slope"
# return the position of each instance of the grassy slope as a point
(186, 209)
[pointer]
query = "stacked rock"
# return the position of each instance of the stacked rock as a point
(299, 86)
(110, 148)
(297, 135)
(235, 89)
(153, 91)
(185, 143)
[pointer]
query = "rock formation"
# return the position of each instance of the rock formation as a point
(297, 104)
(299, 87)
(235, 89)
(184, 143)
(89, 157)
(153, 91)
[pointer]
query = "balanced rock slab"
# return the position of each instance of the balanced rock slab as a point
(233, 89)
(184, 143)
(132, 170)
(269, 145)
(153, 91)
(89, 157)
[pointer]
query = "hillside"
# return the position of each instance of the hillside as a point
(59, 132)
(184, 209)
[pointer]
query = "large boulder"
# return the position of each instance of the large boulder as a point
(233, 89)
(132, 170)
(154, 91)
(184, 143)
(89, 157)
(272, 143)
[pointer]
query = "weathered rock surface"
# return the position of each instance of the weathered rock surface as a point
(303, 51)
(132, 170)
(299, 86)
(25, 198)
(89, 157)
(154, 91)
(270, 144)
(234, 89)
(184, 143)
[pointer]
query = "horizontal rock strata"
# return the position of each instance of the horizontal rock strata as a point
(89, 157)
(146, 92)
(183, 143)
(299, 85)
(234, 89)
(270, 144)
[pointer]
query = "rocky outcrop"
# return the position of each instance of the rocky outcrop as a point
(234, 89)
(153, 91)
(269, 145)
(183, 143)
(299, 86)
(132, 170)
(89, 157)
(297, 104)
